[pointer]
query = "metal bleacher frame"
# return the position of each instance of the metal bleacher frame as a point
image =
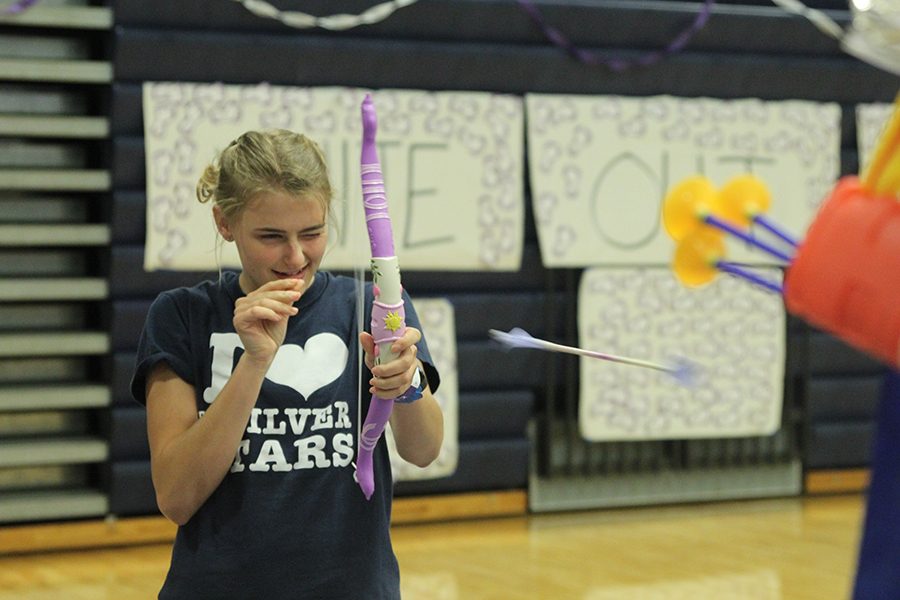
(53, 193)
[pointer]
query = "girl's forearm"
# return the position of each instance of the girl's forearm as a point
(418, 430)
(188, 469)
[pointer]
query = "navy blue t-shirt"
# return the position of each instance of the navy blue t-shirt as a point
(288, 520)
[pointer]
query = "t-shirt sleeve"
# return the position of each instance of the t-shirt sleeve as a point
(412, 320)
(165, 337)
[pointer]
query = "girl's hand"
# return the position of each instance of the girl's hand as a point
(393, 378)
(260, 317)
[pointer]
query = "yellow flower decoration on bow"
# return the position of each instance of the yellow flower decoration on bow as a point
(393, 321)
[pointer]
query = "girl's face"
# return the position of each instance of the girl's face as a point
(278, 236)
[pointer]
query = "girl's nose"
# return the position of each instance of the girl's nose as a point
(294, 252)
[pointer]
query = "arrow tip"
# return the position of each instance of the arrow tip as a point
(685, 372)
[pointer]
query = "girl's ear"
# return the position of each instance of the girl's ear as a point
(222, 224)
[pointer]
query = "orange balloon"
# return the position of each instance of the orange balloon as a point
(686, 204)
(696, 257)
(742, 199)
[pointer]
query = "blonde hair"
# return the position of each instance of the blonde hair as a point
(265, 161)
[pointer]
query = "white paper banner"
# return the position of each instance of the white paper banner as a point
(600, 167)
(452, 163)
(438, 324)
(733, 332)
(870, 122)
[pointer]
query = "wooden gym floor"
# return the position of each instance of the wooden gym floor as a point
(796, 549)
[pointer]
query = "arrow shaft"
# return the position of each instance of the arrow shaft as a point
(601, 355)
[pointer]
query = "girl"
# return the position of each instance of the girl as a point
(250, 384)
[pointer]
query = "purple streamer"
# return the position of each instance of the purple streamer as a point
(739, 233)
(738, 271)
(19, 7)
(775, 230)
(616, 64)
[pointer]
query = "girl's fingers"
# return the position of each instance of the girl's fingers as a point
(280, 284)
(283, 291)
(367, 341)
(368, 347)
(391, 387)
(281, 307)
(396, 381)
(409, 339)
(272, 301)
(261, 313)
(268, 311)
(283, 296)
(400, 365)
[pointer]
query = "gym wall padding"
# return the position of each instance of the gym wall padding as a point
(747, 49)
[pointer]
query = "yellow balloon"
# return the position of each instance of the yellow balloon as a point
(686, 204)
(696, 257)
(742, 199)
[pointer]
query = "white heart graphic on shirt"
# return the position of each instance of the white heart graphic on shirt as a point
(311, 368)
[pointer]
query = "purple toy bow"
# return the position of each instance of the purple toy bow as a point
(388, 315)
